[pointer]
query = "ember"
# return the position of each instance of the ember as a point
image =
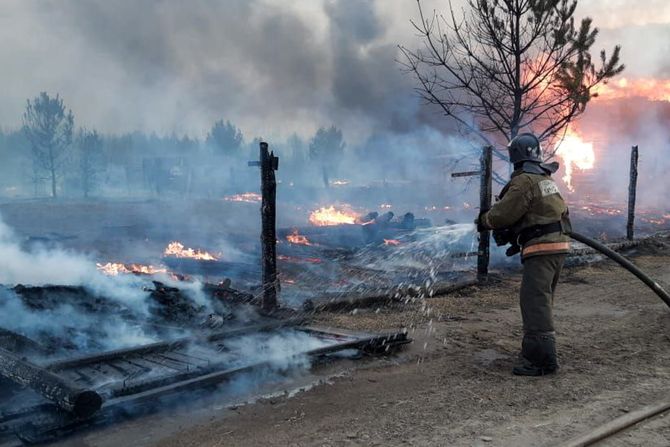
(392, 242)
(576, 153)
(248, 197)
(177, 250)
(595, 210)
(331, 216)
(297, 238)
(116, 268)
(299, 260)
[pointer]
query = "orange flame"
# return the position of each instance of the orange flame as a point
(177, 250)
(576, 153)
(248, 197)
(652, 89)
(117, 268)
(330, 216)
(297, 238)
(392, 242)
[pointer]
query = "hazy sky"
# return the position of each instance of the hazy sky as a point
(271, 66)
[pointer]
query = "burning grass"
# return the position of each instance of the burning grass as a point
(177, 250)
(117, 268)
(330, 215)
(298, 239)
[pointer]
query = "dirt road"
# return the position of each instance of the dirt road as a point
(453, 386)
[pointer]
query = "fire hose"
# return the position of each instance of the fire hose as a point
(507, 236)
(625, 263)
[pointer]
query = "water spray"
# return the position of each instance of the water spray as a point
(505, 237)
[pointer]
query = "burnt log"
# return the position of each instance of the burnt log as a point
(226, 294)
(369, 216)
(83, 403)
(14, 342)
(384, 218)
(408, 222)
(379, 229)
(52, 296)
(170, 304)
(357, 235)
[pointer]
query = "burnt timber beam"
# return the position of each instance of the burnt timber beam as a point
(170, 345)
(81, 402)
(41, 423)
(373, 344)
(347, 301)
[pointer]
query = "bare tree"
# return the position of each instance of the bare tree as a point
(505, 66)
(327, 148)
(90, 160)
(48, 127)
(225, 137)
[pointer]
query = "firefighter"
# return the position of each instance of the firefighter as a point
(531, 215)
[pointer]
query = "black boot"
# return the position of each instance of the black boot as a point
(538, 355)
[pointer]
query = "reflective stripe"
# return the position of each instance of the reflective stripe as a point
(546, 247)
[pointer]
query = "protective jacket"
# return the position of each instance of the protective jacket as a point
(529, 200)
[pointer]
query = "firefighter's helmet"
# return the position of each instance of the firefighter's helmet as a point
(525, 147)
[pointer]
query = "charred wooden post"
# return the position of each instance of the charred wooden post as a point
(81, 402)
(485, 199)
(632, 193)
(268, 164)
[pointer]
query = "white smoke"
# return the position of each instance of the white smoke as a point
(86, 331)
(43, 266)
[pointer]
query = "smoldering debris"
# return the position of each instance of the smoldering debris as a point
(98, 312)
(138, 379)
(129, 338)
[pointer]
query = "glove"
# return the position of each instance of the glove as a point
(479, 222)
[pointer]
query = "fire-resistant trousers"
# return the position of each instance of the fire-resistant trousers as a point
(540, 277)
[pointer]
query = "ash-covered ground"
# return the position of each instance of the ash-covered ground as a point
(61, 301)
(69, 242)
(453, 386)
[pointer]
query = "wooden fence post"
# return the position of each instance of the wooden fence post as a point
(268, 164)
(632, 193)
(485, 200)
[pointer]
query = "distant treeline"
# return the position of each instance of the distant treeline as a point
(50, 156)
